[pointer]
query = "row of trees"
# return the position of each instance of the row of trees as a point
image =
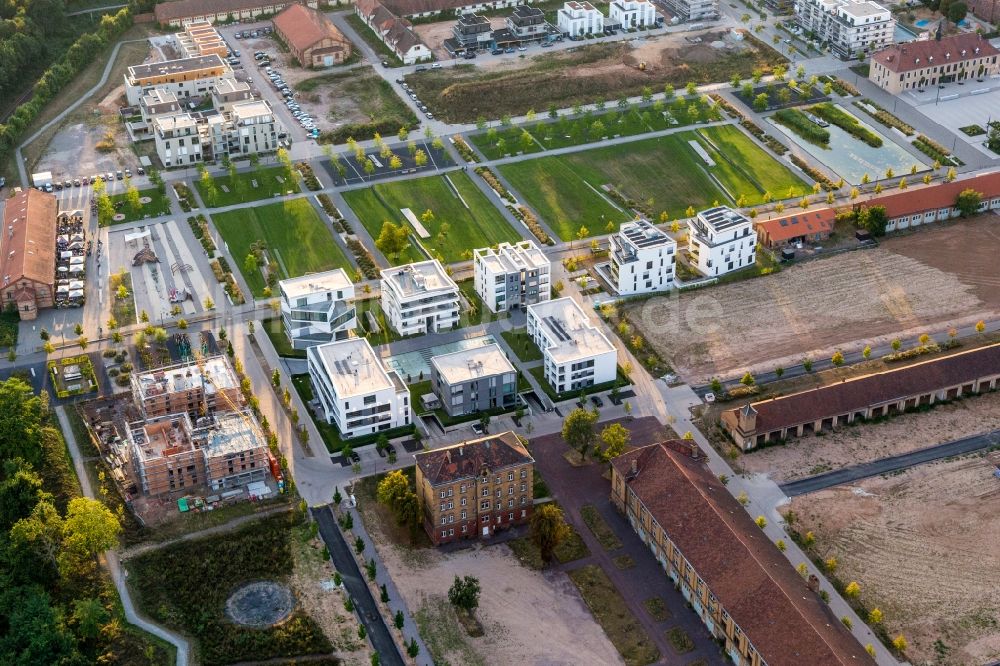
(578, 432)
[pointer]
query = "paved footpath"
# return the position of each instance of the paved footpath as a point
(111, 557)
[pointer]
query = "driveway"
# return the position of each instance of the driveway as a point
(573, 487)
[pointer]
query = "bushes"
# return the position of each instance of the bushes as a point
(842, 87)
(494, 182)
(796, 121)
(308, 177)
(463, 149)
(530, 221)
(815, 174)
(848, 123)
(884, 117)
(184, 197)
(934, 150)
(364, 258)
(199, 226)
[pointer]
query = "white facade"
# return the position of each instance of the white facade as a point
(642, 259)
(177, 140)
(579, 18)
(317, 308)
(512, 275)
(419, 298)
(632, 13)
(721, 240)
(575, 353)
(850, 26)
(185, 77)
(358, 394)
(254, 129)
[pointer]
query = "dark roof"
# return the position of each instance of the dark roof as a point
(931, 52)
(467, 459)
(411, 7)
(871, 390)
(784, 620)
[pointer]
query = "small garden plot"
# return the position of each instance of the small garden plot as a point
(122, 298)
(773, 96)
(292, 236)
(972, 130)
(461, 217)
(260, 183)
(72, 376)
(140, 205)
(9, 327)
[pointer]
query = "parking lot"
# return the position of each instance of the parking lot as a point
(954, 105)
(258, 60)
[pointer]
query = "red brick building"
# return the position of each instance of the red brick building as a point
(810, 226)
(475, 488)
(28, 264)
(311, 37)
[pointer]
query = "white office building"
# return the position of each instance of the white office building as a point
(575, 353)
(695, 10)
(849, 26)
(642, 259)
(721, 240)
(419, 298)
(317, 308)
(512, 275)
(358, 394)
(579, 18)
(632, 13)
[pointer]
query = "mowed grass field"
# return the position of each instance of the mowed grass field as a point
(296, 239)
(658, 175)
(241, 188)
(472, 224)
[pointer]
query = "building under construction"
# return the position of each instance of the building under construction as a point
(198, 389)
(222, 451)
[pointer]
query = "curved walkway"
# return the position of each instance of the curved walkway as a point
(111, 557)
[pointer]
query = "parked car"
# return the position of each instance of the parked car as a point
(76, 182)
(141, 171)
(509, 49)
(522, 48)
(420, 68)
(597, 401)
(128, 173)
(436, 65)
(546, 45)
(119, 175)
(497, 51)
(478, 429)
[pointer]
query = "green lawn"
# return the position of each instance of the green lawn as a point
(158, 205)
(275, 331)
(523, 347)
(241, 189)
(657, 175)
(477, 223)
(479, 313)
(297, 240)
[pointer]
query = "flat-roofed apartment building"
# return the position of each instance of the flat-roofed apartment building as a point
(229, 92)
(575, 353)
(577, 19)
(358, 393)
(312, 38)
(317, 308)
(632, 13)
(184, 77)
(721, 240)
(200, 38)
(171, 454)
(474, 380)
(850, 27)
(641, 259)
(178, 140)
(919, 64)
(201, 388)
(737, 582)
(28, 263)
(475, 488)
(419, 298)
(512, 275)
(871, 396)
(183, 11)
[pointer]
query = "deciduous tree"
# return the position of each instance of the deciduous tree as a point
(548, 530)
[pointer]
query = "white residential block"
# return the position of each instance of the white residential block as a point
(317, 308)
(632, 13)
(642, 259)
(721, 240)
(575, 353)
(358, 394)
(850, 26)
(512, 275)
(579, 18)
(419, 298)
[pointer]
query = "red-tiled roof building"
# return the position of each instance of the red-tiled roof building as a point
(923, 205)
(312, 38)
(28, 264)
(179, 12)
(736, 580)
(929, 62)
(475, 488)
(810, 226)
(871, 396)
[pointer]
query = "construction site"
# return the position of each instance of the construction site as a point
(183, 439)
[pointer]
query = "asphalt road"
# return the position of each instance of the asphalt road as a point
(355, 583)
(893, 464)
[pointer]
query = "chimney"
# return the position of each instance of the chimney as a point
(461, 450)
(447, 456)
(635, 466)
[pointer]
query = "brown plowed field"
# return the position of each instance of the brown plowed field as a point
(930, 279)
(925, 548)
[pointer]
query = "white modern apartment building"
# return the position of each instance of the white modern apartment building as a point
(419, 298)
(721, 240)
(358, 394)
(579, 18)
(184, 77)
(178, 142)
(575, 353)
(512, 275)
(632, 13)
(849, 26)
(317, 308)
(642, 259)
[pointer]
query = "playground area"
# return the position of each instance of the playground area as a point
(165, 275)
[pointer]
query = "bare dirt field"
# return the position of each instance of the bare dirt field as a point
(582, 74)
(930, 279)
(806, 456)
(923, 546)
(434, 34)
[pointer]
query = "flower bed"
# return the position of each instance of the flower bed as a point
(884, 116)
